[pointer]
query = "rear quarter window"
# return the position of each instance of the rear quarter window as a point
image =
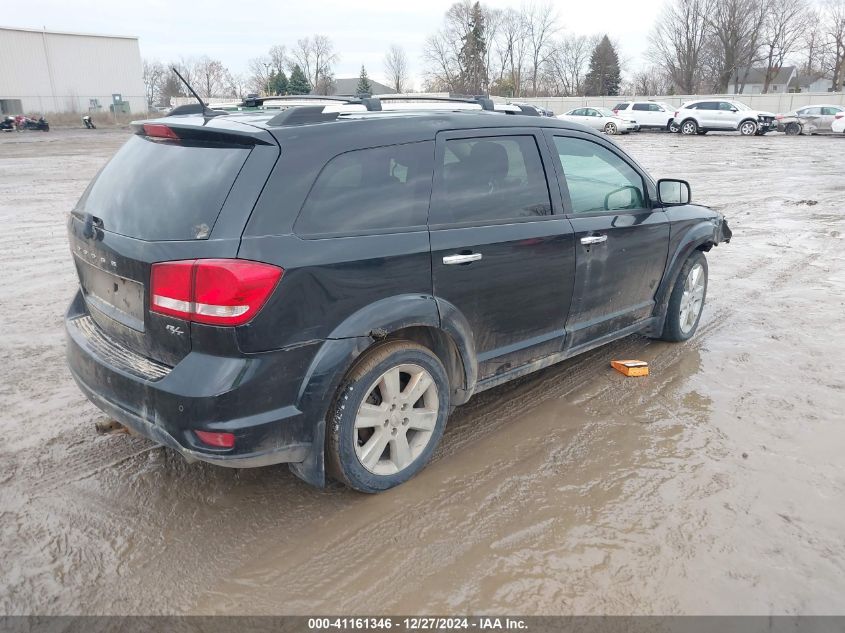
(376, 189)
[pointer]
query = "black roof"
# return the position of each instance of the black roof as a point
(355, 129)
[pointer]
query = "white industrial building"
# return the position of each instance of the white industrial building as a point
(50, 71)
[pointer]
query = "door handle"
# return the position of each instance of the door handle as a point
(461, 259)
(593, 239)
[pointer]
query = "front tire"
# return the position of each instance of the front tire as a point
(792, 129)
(387, 417)
(748, 128)
(689, 127)
(610, 128)
(686, 302)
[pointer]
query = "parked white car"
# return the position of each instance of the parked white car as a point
(700, 117)
(838, 124)
(600, 119)
(647, 114)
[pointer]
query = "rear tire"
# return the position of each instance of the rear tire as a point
(689, 127)
(686, 303)
(672, 127)
(387, 417)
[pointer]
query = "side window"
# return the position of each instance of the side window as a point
(708, 105)
(578, 112)
(653, 107)
(831, 111)
(812, 111)
(641, 106)
(491, 178)
(597, 179)
(370, 189)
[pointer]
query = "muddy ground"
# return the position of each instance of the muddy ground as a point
(715, 485)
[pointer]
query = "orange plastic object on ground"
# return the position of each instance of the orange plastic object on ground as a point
(630, 367)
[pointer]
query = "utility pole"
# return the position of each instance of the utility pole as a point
(267, 69)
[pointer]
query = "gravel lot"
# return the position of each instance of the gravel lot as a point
(716, 485)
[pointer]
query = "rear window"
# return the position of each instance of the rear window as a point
(163, 190)
(622, 106)
(382, 188)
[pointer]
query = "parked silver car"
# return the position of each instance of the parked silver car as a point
(600, 119)
(811, 119)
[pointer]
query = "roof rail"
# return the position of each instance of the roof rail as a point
(251, 102)
(485, 102)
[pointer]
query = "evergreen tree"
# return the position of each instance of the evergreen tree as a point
(364, 86)
(278, 83)
(298, 84)
(603, 77)
(473, 53)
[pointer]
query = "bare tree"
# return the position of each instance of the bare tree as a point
(279, 59)
(211, 76)
(396, 68)
(511, 46)
(835, 31)
(540, 24)
(650, 81)
(736, 27)
(442, 51)
(567, 64)
(783, 27)
(154, 75)
(679, 41)
(316, 57)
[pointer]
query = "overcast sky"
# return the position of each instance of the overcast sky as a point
(236, 30)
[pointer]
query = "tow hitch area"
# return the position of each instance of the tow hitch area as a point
(106, 426)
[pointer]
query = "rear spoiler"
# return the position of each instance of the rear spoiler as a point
(195, 129)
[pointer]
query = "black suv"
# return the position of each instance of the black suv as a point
(322, 288)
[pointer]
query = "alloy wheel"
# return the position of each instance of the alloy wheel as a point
(749, 128)
(610, 128)
(693, 298)
(689, 128)
(396, 419)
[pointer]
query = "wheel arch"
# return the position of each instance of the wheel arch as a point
(415, 318)
(700, 237)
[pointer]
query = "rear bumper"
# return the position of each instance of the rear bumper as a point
(252, 396)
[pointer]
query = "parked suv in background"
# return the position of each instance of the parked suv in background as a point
(710, 115)
(323, 285)
(648, 114)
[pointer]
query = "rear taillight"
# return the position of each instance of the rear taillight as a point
(212, 291)
(839, 115)
(676, 113)
(778, 116)
(615, 111)
(157, 130)
(218, 440)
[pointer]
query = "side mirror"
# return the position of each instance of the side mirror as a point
(627, 197)
(671, 192)
(734, 109)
